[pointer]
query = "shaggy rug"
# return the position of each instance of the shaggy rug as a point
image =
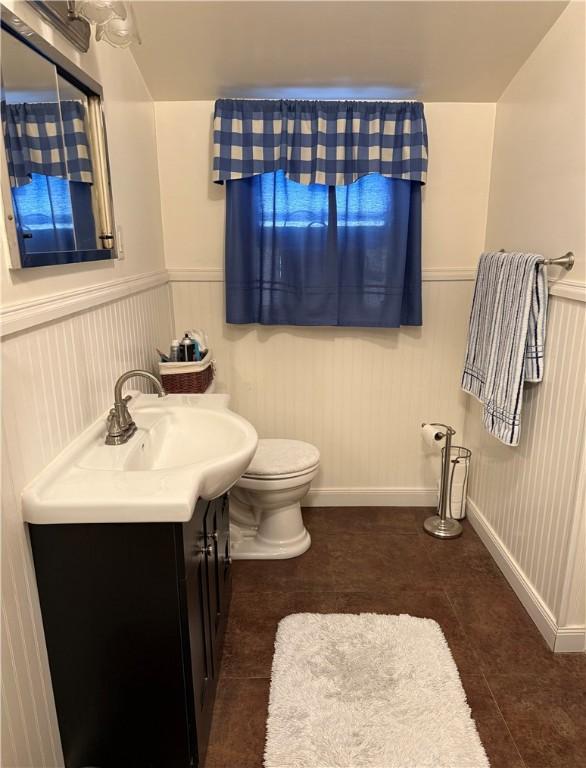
(350, 691)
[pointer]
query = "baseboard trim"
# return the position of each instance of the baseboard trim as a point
(559, 639)
(570, 640)
(371, 497)
(24, 315)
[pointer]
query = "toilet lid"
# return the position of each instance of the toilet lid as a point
(282, 457)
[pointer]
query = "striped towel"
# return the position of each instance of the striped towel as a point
(506, 338)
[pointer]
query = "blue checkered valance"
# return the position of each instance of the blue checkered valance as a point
(319, 142)
(47, 138)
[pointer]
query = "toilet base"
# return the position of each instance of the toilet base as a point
(279, 536)
(254, 548)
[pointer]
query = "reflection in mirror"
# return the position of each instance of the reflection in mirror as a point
(61, 211)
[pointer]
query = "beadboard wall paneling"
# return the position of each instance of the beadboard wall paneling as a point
(529, 494)
(528, 499)
(57, 378)
(359, 394)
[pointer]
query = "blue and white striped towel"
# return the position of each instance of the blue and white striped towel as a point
(506, 338)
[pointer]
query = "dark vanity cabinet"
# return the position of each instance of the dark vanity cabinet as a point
(134, 616)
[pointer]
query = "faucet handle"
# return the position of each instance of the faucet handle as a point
(115, 429)
(127, 399)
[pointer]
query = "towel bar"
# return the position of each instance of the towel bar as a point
(566, 261)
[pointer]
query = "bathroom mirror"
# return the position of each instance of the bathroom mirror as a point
(54, 168)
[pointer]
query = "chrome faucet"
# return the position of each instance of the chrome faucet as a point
(121, 426)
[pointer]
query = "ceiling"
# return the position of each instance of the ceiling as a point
(434, 51)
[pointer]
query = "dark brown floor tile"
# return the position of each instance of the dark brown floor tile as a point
(421, 514)
(547, 718)
(463, 561)
(311, 571)
(503, 635)
(238, 726)
(331, 521)
(252, 626)
(526, 700)
(381, 563)
(494, 734)
(426, 605)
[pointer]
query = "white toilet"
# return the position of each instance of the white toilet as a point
(265, 509)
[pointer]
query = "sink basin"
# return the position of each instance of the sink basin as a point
(185, 446)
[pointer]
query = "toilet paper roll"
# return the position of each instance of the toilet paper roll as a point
(431, 436)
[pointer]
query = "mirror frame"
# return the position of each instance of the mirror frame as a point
(76, 30)
(98, 142)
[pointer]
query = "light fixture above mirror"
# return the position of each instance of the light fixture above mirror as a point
(98, 11)
(114, 21)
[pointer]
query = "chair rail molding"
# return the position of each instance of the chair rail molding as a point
(216, 274)
(567, 289)
(22, 315)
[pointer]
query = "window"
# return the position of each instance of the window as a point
(289, 204)
(323, 210)
(310, 254)
(55, 215)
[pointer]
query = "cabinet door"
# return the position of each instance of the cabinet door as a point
(218, 537)
(198, 612)
(219, 571)
(224, 559)
(212, 538)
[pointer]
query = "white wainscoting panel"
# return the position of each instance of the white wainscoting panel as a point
(529, 495)
(57, 378)
(359, 394)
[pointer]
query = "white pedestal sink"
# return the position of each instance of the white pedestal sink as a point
(186, 446)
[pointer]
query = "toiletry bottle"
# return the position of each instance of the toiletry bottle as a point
(174, 351)
(186, 350)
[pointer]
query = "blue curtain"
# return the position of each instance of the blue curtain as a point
(319, 142)
(47, 138)
(323, 255)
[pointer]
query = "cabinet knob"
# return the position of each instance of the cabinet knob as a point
(207, 550)
(213, 536)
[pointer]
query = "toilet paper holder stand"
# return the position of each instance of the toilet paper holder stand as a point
(440, 525)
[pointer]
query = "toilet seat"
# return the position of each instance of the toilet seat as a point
(286, 476)
(280, 459)
(275, 482)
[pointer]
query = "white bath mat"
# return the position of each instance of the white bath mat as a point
(350, 691)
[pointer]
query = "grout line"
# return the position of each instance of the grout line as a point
(483, 676)
(504, 719)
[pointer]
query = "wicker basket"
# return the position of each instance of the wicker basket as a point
(188, 378)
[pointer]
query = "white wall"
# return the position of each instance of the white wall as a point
(360, 395)
(58, 376)
(527, 499)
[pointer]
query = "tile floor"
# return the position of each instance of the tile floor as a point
(529, 704)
